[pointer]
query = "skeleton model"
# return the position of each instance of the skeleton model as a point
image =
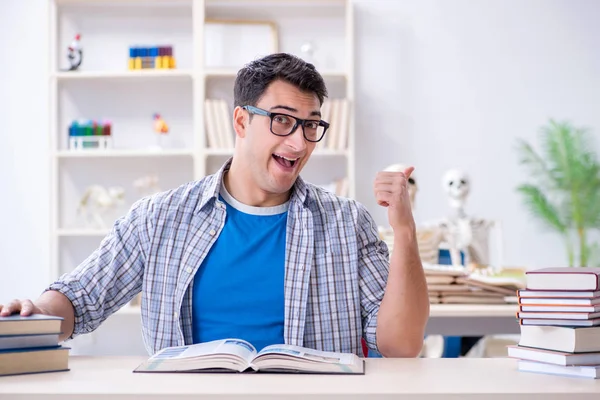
(96, 201)
(460, 231)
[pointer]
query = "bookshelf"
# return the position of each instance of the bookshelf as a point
(105, 90)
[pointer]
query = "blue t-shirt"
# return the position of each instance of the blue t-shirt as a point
(238, 290)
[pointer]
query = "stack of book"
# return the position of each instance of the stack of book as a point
(458, 285)
(31, 345)
(559, 314)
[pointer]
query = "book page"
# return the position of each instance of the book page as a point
(308, 354)
(229, 353)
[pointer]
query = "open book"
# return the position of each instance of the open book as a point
(235, 355)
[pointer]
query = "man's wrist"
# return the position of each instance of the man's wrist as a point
(404, 233)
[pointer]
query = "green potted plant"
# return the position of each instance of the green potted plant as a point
(564, 190)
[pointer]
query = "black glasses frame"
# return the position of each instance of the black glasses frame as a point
(299, 122)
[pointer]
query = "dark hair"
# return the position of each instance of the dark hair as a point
(254, 78)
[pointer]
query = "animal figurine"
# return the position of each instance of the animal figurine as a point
(75, 54)
(98, 200)
(160, 126)
(147, 185)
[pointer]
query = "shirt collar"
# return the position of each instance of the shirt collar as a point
(213, 187)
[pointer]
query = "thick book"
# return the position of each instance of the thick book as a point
(561, 338)
(553, 357)
(547, 294)
(34, 360)
(28, 341)
(535, 301)
(560, 322)
(591, 371)
(32, 324)
(564, 279)
(559, 315)
(560, 308)
(235, 355)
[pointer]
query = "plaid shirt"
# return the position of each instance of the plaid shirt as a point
(336, 267)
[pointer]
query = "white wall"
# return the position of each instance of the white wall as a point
(440, 84)
(453, 83)
(24, 145)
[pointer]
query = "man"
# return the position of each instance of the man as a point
(253, 251)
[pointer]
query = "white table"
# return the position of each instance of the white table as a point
(472, 319)
(426, 379)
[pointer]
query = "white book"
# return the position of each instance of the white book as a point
(560, 301)
(561, 338)
(210, 125)
(561, 322)
(559, 315)
(553, 357)
(558, 294)
(564, 279)
(334, 127)
(344, 124)
(226, 124)
(236, 355)
(325, 116)
(559, 308)
(575, 371)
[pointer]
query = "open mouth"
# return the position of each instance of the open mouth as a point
(284, 161)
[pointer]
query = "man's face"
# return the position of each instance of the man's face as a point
(275, 162)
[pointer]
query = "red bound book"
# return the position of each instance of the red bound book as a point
(564, 279)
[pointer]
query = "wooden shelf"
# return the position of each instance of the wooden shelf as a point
(329, 152)
(129, 310)
(134, 75)
(82, 232)
(473, 310)
(232, 73)
(124, 153)
(219, 152)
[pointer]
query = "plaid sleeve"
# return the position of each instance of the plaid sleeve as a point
(373, 264)
(111, 276)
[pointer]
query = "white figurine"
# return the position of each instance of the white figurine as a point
(147, 185)
(97, 200)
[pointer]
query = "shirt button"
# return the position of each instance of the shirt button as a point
(212, 232)
(297, 314)
(189, 270)
(175, 314)
(301, 268)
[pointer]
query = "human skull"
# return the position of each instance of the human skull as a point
(457, 185)
(412, 182)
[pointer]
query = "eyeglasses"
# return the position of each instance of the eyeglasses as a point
(284, 124)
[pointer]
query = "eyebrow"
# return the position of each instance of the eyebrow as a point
(291, 109)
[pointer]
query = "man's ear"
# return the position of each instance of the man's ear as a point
(240, 121)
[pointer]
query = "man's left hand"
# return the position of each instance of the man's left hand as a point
(391, 191)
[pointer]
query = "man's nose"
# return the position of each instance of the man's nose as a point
(296, 139)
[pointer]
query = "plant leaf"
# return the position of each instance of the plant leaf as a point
(535, 164)
(540, 206)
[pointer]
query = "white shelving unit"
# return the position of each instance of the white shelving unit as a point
(103, 88)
